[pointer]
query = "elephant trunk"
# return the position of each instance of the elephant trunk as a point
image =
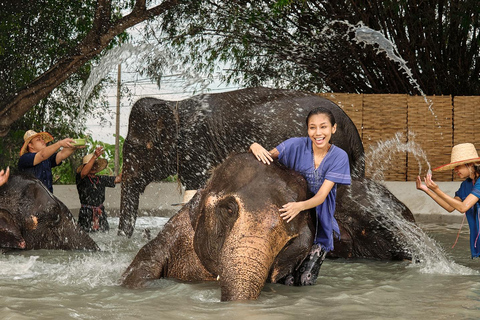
(246, 268)
(129, 200)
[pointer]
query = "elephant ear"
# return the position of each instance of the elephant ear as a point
(10, 233)
(194, 208)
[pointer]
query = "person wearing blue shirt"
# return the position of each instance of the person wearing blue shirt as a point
(323, 165)
(466, 163)
(38, 159)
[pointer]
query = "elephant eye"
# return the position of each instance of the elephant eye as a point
(228, 206)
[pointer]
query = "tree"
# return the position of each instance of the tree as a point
(310, 45)
(44, 42)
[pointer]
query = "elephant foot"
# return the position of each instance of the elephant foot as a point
(308, 272)
(289, 280)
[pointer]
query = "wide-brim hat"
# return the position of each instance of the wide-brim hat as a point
(461, 154)
(98, 166)
(29, 135)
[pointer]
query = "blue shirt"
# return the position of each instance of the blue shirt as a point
(42, 171)
(467, 187)
(297, 154)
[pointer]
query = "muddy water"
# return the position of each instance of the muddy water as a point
(77, 285)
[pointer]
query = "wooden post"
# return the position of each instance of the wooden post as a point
(117, 125)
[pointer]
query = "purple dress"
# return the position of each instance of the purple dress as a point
(297, 154)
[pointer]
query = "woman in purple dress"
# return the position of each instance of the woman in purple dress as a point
(323, 165)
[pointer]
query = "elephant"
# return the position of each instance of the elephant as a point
(193, 136)
(368, 215)
(31, 217)
(231, 231)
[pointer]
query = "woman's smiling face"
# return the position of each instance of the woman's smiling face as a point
(320, 130)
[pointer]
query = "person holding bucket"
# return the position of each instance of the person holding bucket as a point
(466, 163)
(91, 191)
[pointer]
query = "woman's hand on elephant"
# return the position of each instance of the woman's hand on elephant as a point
(290, 210)
(261, 153)
(4, 176)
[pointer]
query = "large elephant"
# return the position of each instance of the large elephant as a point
(31, 217)
(192, 136)
(231, 231)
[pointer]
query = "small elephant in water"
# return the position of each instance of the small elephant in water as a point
(232, 231)
(193, 136)
(31, 217)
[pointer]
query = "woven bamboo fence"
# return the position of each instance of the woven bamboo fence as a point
(404, 135)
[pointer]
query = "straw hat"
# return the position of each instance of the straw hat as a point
(461, 154)
(29, 135)
(98, 166)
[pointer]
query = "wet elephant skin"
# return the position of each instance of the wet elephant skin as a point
(193, 136)
(31, 217)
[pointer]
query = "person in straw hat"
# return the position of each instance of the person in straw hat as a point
(38, 159)
(91, 191)
(466, 163)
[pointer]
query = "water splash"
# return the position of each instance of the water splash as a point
(368, 36)
(379, 157)
(427, 255)
(109, 62)
(17, 267)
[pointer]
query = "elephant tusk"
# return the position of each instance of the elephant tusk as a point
(218, 277)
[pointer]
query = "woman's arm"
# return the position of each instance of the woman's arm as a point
(47, 152)
(262, 154)
(89, 165)
(433, 195)
(292, 209)
(456, 203)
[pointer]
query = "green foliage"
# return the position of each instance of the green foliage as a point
(65, 173)
(305, 45)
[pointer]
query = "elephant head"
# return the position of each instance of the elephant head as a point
(31, 217)
(239, 233)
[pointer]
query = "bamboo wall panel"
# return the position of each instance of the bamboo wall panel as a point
(430, 135)
(382, 134)
(352, 104)
(396, 129)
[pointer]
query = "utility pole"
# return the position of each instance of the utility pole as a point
(117, 125)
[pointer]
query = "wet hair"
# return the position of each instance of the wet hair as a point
(476, 170)
(321, 110)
